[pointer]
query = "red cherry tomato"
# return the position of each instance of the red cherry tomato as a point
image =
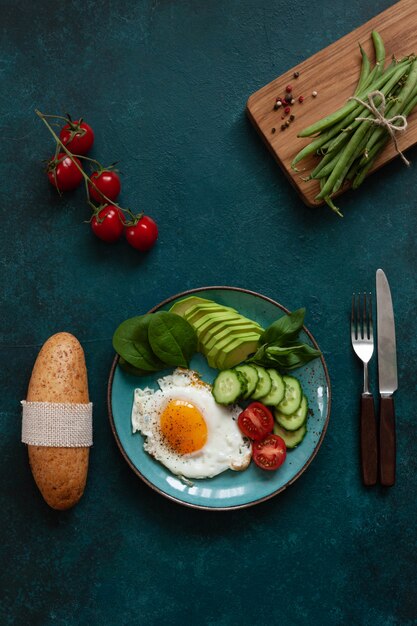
(63, 174)
(108, 224)
(77, 137)
(270, 453)
(107, 182)
(256, 421)
(142, 235)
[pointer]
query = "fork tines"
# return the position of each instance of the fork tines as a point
(361, 318)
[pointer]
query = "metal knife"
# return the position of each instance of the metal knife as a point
(388, 381)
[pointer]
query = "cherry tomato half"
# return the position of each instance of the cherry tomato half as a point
(108, 224)
(77, 137)
(107, 182)
(143, 235)
(270, 453)
(256, 421)
(63, 174)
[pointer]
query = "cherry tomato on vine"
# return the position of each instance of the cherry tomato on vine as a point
(270, 453)
(63, 174)
(77, 136)
(142, 235)
(107, 182)
(108, 224)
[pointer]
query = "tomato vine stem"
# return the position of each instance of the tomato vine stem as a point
(87, 180)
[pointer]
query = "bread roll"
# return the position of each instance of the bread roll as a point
(59, 375)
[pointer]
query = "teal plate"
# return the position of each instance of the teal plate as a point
(229, 490)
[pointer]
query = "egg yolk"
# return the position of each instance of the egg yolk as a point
(183, 427)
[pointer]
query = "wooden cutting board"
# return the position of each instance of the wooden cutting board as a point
(333, 73)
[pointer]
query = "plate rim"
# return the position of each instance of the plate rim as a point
(201, 506)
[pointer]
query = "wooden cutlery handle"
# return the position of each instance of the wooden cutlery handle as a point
(369, 445)
(387, 442)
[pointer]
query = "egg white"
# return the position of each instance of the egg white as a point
(225, 448)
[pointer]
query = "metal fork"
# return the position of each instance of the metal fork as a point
(362, 336)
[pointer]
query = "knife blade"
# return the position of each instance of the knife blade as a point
(388, 380)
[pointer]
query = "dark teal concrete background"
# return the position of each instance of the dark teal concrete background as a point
(165, 84)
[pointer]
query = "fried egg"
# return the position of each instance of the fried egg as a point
(186, 430)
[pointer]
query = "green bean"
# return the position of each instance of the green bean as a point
(367, 163)
(353, 170)
(366, 114)
(346, 159)
(329, 201)
(341, 113)
(379, 52)
(326, 165)
(410, 105)
(333, 207)
(355, 155)
(370, 153)
(326, 137)
(331, 132)
(365, 71)
(360, 176)
(397, 107)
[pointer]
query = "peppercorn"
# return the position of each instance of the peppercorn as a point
(292, 118)
(283, 127)
(296, 74)
(288, 98)
(301, 99)
(314, 94)
(287, 110)
(273, 130)
(287, 123)
(276, 106)
(288, 89)
(292, 101)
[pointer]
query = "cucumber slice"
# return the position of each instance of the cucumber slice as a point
(292, 396)
(292, 438)
(264, 384)
(294, 421)
(277, 391)
(251, 376)
(229, 386)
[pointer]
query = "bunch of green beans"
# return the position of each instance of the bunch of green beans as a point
(349, 146)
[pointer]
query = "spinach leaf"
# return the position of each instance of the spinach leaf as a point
(130, 341)
(130, 369)
(284, 329)
(172, 338)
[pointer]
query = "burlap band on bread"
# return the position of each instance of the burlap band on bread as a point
(57, 425)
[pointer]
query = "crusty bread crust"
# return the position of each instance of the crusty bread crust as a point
(59, 375)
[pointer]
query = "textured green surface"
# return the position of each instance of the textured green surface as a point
(165, 84)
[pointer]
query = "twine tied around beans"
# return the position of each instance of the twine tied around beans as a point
(379, 118)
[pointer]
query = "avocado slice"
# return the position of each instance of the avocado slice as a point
(230, 331)
(237, 352)
(211, 320)
(201, 324)
(196, 312)
(232, 324)
(183, 305)
(243, 344)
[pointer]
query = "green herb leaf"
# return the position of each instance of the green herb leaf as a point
(284, 329)
(288, 357)
(293, 356)
(130, 341)
(172, 338)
